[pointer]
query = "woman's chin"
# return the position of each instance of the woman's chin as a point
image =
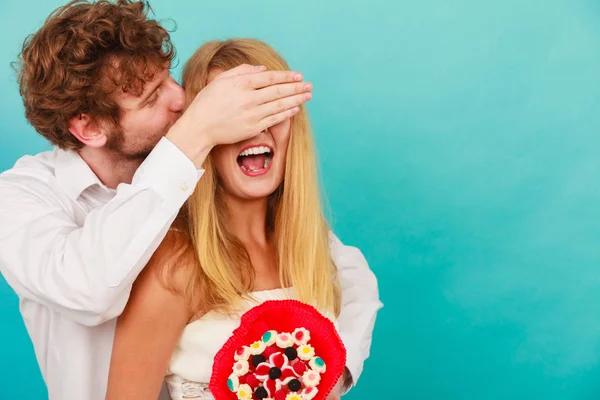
(255, 193)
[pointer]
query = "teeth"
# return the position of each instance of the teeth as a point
(256, 150)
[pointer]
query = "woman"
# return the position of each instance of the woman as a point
(253, 230)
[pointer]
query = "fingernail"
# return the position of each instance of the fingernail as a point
(307, 87)
(260, 68)
(307, 96)
(298, 77)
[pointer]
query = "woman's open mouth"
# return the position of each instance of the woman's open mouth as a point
(255, 160)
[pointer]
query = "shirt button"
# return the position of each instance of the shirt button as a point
(183, 187)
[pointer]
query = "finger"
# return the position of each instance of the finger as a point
(275, 119)
(281, 105)
(242, 69)
(271, 93)
(269, 78)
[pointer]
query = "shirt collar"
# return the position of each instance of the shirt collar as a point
(73, 174)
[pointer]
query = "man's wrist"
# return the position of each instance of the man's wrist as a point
(197, 151)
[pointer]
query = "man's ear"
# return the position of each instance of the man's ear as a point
(88, 133)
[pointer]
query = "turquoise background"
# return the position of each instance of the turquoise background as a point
(460, 148)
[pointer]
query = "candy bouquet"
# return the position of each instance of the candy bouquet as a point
(282, 350)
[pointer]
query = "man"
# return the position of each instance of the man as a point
(80, 222)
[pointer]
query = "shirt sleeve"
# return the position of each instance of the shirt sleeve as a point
(86, 271)
(360, 303)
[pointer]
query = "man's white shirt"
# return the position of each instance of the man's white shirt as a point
(71, 248)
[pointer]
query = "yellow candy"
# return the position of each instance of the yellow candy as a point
(306, 352)
(244, 392)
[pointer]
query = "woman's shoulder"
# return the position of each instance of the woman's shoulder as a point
(172, 263)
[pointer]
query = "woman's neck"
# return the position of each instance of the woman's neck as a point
(247, 220)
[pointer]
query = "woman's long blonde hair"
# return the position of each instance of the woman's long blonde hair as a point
(295, 222)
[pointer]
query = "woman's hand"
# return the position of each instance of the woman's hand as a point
(336, 392)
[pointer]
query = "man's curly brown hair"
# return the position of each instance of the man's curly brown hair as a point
(82, 55)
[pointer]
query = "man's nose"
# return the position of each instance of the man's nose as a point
(178, 97)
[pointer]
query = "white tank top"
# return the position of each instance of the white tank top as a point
(191, 364)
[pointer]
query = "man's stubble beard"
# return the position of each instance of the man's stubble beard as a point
(116, 144)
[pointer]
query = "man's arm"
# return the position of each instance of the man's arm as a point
(86, 272)
(360, 303)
